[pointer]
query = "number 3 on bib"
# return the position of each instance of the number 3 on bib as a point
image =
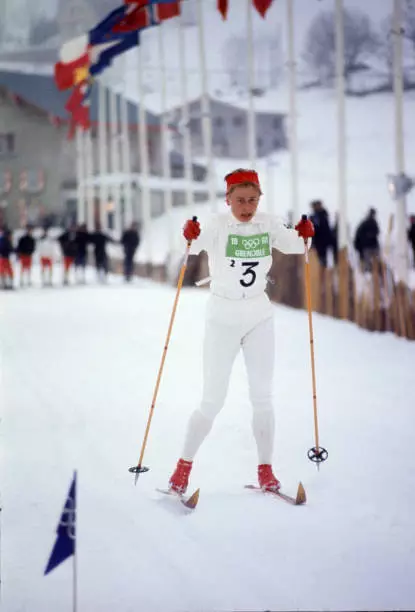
(249, 273)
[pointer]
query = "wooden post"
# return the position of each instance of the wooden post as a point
(343, 268)
(368, 303)
(356, 300)
(386, 294)
(389, 296)
(376, 294)
(408, 314)
(400, 290)
(328, 282)
(315, 281)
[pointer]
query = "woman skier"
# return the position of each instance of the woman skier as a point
(239, 245)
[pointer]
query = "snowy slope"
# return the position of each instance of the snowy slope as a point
(79, 367)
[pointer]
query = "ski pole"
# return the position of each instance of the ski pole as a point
(317, 454)
(139, 468)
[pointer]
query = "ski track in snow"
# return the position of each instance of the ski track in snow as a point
(79, 367)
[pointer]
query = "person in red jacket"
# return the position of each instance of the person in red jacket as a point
(239, 316)
(6, 249)
(68, 245)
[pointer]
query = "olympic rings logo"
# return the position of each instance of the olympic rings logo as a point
(68, 518)
(251, 243)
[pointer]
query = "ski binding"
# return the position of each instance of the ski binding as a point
(298, 500)
(188, 502)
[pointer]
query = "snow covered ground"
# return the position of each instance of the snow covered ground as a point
(79, 366)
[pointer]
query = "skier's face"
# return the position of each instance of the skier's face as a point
(243, 201)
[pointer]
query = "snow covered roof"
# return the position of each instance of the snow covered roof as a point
(33, 55)
(41, 91)
(272, 102)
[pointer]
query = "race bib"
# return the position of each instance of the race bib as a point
(248, 246)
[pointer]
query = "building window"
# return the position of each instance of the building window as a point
(7, 144)
(195, 126)
(238, 120)
(259, 143)
(177, 171)
(276, 123)
(219, 121)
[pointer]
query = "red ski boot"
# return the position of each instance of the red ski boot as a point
(180, 478)
(266, 478)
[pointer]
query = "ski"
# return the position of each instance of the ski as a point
(298, 500)
(188, 502)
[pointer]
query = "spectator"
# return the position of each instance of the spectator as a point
(25, 249)
(366, 240)
(6, 249)
(100, 240)
(335, 239)
(48, 253)
(411, 237)
(130, 241)
(323, 239)
(69, 247)
(82, 240)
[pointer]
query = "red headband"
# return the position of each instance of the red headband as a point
(243, 176)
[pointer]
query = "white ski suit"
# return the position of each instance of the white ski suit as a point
(48, 247)
(239, 314)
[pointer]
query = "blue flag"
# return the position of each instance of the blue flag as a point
(66, 531)
(123, 44)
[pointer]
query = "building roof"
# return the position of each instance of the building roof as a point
(272, 103)
(40, 54)
(40, 91)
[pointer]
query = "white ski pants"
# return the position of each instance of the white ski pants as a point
(230, 326)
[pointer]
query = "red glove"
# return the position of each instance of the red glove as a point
(191, 230)
(305, 228)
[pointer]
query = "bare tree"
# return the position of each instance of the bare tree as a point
(409, 27)
(267, 62)
(360, 41)
(386, 49)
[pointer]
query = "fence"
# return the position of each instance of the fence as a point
(376, 301)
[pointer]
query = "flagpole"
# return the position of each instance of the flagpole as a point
(115, 159)
(75, 551)
(75, 579)
(144, 160)
(126, 161)
(341, 165)
(402, 253)
(80, 172)
(205, 107)
(185, 131)
(90, 177)
(251, 85)
(103, 163)
(168, 199)
(292, 66)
